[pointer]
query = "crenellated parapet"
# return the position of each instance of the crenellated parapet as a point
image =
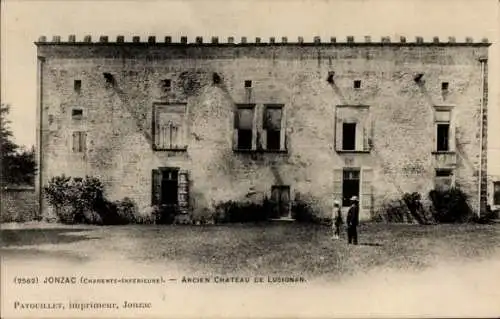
(214, 40)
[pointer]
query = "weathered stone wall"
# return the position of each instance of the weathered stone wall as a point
(118, 118)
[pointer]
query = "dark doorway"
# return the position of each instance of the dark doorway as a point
(169, 187)
(280, 201)
(350, 185)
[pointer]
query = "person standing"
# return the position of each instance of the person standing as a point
(336, 219)
(353, 221)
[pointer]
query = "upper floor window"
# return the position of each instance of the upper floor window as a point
(248, 83)
(170, 127)
(79, 142)
(244, 129)
(357, 84)
(76, 114)
(353, 128)
(273, 128)
(444, 132)
(77, 86)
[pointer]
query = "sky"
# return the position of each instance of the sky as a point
(23, 21)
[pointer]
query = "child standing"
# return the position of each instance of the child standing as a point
(336, 219)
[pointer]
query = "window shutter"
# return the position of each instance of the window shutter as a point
(452, 136)
(183, 193)
(236, 119)
(360, 132)
(338, 134)
(156, 187)
(74, 141)
(337, 184)
(283, 130)
(366, 188)
(367, 135)
(84, 142)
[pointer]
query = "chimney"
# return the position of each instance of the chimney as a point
(103, 39)
(136, 39)
(151, 39)
(120, 39)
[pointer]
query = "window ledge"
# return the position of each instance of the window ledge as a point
(353, 152)
(236, 150)
(443, 152)
(171, 149)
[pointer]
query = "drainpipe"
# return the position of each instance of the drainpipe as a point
(40, 63)
(481, 125)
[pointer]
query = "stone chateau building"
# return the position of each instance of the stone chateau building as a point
(191, 124)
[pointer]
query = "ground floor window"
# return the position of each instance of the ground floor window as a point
(170, 187)
(280, 201)
(350, 185)
(496, 193)
(443, 179)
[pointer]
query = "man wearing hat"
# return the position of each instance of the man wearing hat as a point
(353, 221)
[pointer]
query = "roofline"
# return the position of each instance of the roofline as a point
(290, 44)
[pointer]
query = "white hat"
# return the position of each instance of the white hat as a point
(336, 202)
(354, 198)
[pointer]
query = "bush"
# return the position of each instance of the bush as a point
(72, 198)
(415, 207)
(393, 211)
(238, 212)
(450, 206)
(82, 201)
(302, 212)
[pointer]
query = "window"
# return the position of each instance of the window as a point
(169, 127)
(357, 84)
(280, 201)
(496, 193)
(444, 86)
(216, 79)
(443, 135)
(248, 84)
(166, 84)
(349, 136)
(350, 185)
(244, 127)
(444, 131)
(77, 86)
(349, 182)
(76, 114)
(272, 125)
(169, 187)
(443, 179)
(353, 128)
(79, 142)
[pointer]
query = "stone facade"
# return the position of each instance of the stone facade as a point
(126, 111)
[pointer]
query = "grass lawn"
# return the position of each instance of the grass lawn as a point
(290, 249)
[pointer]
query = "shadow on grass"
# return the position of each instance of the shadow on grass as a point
(37, 255)
(371, 244)
(27, 237)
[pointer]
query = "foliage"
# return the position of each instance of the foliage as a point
(17, 164)
(302, 212)
(73, 198)
(238, 212)
(486, 217)
(414, 204)
(450, 206)
(393, 211)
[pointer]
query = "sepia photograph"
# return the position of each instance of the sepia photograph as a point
(250, 159)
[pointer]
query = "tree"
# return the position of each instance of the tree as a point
(17, 164)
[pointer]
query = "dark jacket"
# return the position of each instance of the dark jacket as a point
(353, 216)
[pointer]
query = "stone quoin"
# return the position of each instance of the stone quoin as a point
(192, 123)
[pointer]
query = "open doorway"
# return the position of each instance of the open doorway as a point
(350, 185)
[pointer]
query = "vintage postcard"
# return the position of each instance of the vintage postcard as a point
(260, 159)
